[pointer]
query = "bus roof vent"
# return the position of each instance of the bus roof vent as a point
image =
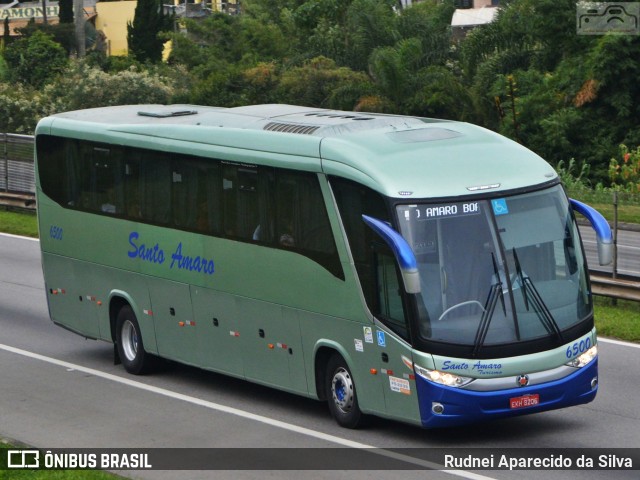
(166, 113)
(290, 128)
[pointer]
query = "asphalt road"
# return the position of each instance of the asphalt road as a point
(628, 251)
(58, 390)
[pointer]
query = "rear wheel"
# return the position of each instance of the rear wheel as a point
(129, 343)
(341, 393)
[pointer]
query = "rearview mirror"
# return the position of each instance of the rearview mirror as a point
(602, 229)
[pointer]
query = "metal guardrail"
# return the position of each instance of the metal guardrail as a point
(615, 287)
(17, 175)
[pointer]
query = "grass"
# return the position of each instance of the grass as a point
(626, 213)
(621, 321)
(18, 223)
(28, 474)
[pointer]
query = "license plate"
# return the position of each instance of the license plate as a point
(525, 401)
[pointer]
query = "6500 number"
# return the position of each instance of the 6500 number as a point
(578, 347)
(55, 232)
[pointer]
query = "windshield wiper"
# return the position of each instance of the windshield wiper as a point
(489, 308)
(530, 290)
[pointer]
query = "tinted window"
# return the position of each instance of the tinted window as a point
(273, 207)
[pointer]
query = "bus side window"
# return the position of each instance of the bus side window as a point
(240, 201)
(55, 167)
(353, 201)
(390, 308)
(155, 193)
(106, 181)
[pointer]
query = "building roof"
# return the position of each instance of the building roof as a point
(471, 17)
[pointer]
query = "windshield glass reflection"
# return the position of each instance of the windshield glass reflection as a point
(497, 271)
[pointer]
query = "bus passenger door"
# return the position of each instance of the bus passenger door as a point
(395, 358)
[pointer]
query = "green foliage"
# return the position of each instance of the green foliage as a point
(626, 172)
(439, 94)
(35, 59)
(22, 107)
(6, 37)
(527, 75)
(144, 33)
(318, 83)
(84, 86)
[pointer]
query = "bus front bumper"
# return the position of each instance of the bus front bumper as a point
(442, 406)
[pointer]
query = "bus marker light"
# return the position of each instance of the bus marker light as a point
(99, 303)
(234, 334)
(181, 324)
(387, 372)
(373, 371)
(437, 408)
(271, 346)
(148, 312)
(407, 362)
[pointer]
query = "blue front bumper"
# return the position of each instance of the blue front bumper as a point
(466, 406)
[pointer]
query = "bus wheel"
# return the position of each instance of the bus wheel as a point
(129, 342)
(341, 393)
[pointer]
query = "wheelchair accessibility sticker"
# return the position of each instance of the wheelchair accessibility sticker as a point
(500, 206)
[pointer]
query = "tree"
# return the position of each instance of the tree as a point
(6, 33)
(84, 86)
(65, 14)
(143, 34)
(320, 83)
(34, 60)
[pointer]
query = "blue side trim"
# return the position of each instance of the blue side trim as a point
(401, 249)
(464, 406)
(599, 223)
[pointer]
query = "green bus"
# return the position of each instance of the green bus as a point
(421, 270)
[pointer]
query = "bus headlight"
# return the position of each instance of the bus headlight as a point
(443, 378)
(585, 358)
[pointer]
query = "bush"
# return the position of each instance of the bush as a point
(86, 87)
(35, 59)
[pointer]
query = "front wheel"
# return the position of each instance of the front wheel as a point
(341, 393)
(129, 343)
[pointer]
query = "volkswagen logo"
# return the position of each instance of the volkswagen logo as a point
(522, 380)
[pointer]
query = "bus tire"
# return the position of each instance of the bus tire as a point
(129, 343)
(341, 393)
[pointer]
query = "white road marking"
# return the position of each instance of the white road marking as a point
(20, 237)
(618, 342)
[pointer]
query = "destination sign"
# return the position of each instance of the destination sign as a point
(429, 212)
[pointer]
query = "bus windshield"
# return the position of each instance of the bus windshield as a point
(497, 271)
